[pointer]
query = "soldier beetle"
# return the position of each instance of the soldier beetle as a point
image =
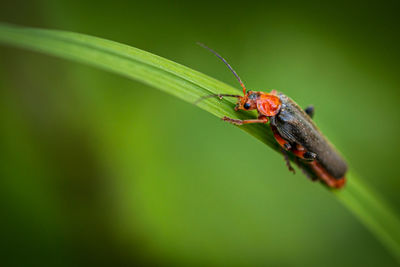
(293, 129)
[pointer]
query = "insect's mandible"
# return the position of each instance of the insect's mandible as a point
(293, 130)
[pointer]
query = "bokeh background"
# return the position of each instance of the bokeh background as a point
(100, 170)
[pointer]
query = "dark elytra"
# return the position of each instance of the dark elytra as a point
(295, 126)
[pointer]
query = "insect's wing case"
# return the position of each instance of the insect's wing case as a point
(294, 125)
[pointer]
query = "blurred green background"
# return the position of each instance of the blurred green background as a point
(100, 170)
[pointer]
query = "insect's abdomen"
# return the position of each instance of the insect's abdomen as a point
(294, 125)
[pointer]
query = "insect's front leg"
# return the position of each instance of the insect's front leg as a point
(260, 119)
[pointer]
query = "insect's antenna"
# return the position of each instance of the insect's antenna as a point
(227, 64)
(215, 95)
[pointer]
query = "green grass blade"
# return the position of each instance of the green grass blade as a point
(373, 212)
(189, 85)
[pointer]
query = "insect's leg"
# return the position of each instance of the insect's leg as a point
(286, 157)
(282, 142)
(285, 146)
(302, 153)
(241, 122)
(304, 170)
(297, 149)
(310, 111)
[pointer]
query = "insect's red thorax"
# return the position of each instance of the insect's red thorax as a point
(268, 104)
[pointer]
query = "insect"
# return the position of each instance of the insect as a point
(294, 131)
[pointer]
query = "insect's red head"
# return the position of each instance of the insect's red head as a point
(266, 104)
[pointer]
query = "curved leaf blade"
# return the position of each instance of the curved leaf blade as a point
(189, 85)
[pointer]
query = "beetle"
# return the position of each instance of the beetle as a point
(293, 129)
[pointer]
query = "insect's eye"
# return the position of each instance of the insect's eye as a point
(246, 105)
